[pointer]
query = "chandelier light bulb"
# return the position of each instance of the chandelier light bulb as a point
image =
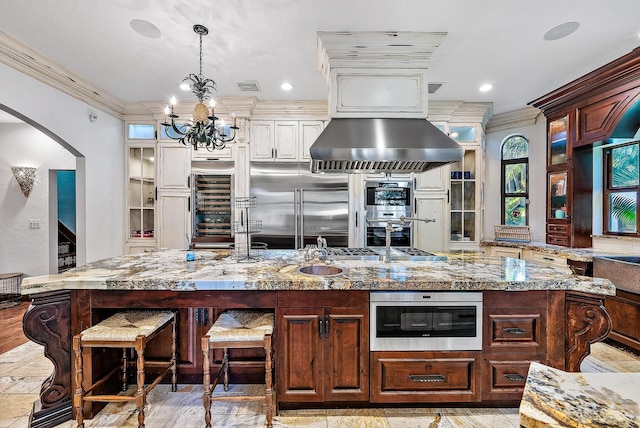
(185, 86)
(212, 103)
(167, 110)
(173, 101)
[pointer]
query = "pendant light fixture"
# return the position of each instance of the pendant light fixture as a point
(201, 131)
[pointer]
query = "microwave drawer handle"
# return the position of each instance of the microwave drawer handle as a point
(516, 377)
(513, 330)
(427, 378)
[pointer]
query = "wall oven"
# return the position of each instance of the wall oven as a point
(387, 200)
(425, 321)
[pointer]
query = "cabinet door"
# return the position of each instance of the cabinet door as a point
(465, 199)
(141, 171)
(299, 361)
(431, 236)
(286, 140)
(261, 143)
(174, 167)
(309, 132)
(174, 218)
(434, 180)
(346, 355)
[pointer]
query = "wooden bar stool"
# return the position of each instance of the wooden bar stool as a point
(238, 329)
(126, 330)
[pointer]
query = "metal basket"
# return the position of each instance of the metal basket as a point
(10, 289)
(512, 233)
(250, 252)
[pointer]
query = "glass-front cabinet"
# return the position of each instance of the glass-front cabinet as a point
(463, 198)
(141, 174)
(558, 141)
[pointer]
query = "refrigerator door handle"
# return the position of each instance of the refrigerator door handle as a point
(301, 213)
(296, 218)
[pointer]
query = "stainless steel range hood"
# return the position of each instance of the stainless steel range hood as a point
(382, 145)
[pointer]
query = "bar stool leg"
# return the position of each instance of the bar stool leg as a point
(140, 393)
(225, 368)
(174, 361)
(206, 375)
(268, 380)
(124, 369)
(77, 397)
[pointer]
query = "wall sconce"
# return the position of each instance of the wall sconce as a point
(25, 176)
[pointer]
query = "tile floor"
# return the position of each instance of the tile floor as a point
(23, 369)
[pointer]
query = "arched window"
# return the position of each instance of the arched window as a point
(515, 180)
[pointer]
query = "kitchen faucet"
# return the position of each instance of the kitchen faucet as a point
(400, 222)
(324, 253)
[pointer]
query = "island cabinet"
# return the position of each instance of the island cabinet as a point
(516, 330)
(322, 346)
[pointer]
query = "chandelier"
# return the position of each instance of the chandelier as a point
(201, 131)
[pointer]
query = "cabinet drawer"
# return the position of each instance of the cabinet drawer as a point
(515, 330)
(505, 380)
(434, 378)
(547, 259)
(558, 229)
(558, 240)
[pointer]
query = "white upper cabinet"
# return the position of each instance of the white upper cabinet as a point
(261, 143)
(286, 140)
(309, 131)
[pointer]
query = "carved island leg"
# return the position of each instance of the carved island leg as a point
(47, 322)
(587, 322)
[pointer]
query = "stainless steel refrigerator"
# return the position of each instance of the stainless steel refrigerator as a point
(295, 206)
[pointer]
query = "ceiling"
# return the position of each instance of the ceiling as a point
(272, 41)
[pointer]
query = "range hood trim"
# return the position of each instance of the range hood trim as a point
(355, 145)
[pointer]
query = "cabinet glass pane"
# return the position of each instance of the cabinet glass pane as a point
(469, 226)
(456, 226)
(558, 195)
(558, 141)
(456, 195)
(469, 195)
(463, 133)
(135, 193)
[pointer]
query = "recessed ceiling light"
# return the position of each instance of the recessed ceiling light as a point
(562, 30)
(145, 28)
(485, 87)
(286, 86)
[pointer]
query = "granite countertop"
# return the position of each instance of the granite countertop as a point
(577, 254)
(219, 270)
(554, 398)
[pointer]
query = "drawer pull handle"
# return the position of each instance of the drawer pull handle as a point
(513, 330)
(548, 258)
(427, 378)
(516, 377)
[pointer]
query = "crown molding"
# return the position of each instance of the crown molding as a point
(459, 111)
(527, 116)
(25, 59)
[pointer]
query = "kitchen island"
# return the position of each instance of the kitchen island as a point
(530, 313)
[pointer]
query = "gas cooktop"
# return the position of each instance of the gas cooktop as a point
(397, 253)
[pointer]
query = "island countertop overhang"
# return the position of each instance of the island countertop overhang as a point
(219, 270)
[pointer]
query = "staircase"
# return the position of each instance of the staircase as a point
(66, 248)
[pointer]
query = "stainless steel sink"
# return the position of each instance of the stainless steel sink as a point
(321, 270)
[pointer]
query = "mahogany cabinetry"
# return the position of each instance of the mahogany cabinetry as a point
(322, 346)
(624, 309)
(581, 115)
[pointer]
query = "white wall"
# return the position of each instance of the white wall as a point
(100, 143)
(536, 134)
(23, 249)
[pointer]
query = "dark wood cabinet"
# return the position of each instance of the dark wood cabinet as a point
(323, 346)
(515, 334)
(581, 115)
